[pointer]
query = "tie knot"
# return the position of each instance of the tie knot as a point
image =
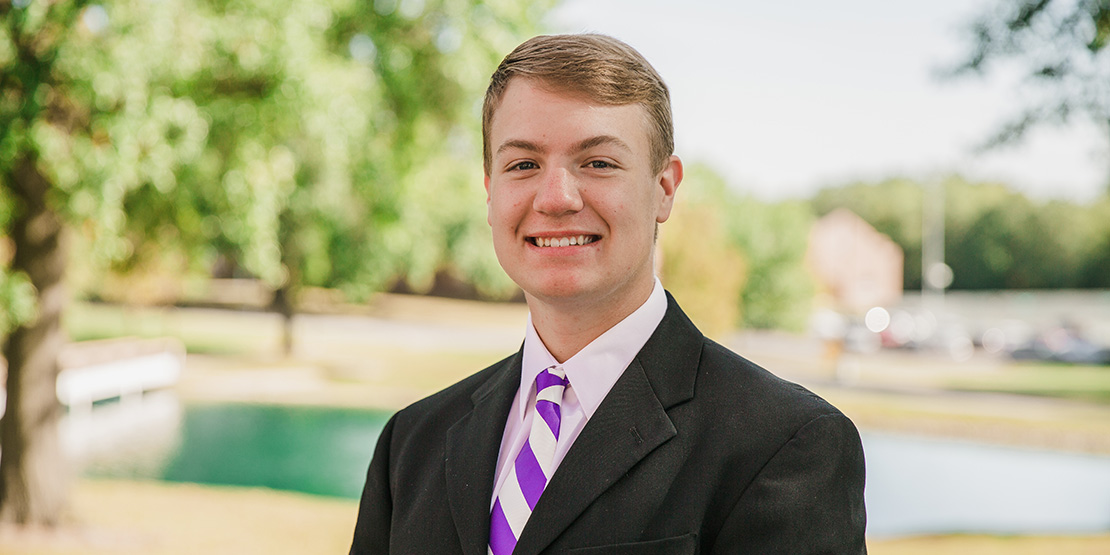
(550, 377)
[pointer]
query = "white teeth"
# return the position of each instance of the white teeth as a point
(563, 241)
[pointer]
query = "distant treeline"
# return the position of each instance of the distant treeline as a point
(995, 238)
(721, 244)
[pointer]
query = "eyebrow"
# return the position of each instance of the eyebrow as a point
(601, 140)
(522, 145)
(585, 144)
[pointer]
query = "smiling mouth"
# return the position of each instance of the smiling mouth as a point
(568, 241)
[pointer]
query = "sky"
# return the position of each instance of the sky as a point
(784, 98)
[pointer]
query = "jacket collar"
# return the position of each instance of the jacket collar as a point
(472, 447)
(631, 422)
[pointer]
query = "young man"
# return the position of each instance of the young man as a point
(618, 427)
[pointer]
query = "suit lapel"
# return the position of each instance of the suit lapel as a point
(630, 423)
(473, 444)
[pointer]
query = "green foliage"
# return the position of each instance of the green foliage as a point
(1060, 48)
(293, 138)
(1096, 269)
(701, 266)
(1087, 383)
(999, 239)
(17, 301)
(327, 143)
(774, 239)
(761, 255)
(995, 238)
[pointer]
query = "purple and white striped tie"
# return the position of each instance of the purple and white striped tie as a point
(533, 466)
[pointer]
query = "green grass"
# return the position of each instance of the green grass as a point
(92, 321)
(1087, 383)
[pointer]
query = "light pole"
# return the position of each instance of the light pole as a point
(936, 276)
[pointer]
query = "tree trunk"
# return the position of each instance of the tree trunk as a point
(282, 303)
(34, 477)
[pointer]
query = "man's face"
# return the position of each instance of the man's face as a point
(572, 198)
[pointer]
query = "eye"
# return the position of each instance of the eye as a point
(523, 166)
(599, 165)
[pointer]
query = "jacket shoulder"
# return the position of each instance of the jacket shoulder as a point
(742, 389)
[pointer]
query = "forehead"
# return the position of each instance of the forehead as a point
(538, 110)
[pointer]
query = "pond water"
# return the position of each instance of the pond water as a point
(914, 485)
(922, 485)
(322, 451)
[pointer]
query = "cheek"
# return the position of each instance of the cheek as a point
(503, 213)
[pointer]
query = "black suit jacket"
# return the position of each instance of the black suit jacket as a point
(694, 450)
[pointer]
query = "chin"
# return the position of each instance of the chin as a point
(555, 290)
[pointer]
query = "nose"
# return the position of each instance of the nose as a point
(558, 194)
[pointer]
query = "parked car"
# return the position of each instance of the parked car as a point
(1063, 344)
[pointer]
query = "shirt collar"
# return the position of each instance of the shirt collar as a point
(593, 370)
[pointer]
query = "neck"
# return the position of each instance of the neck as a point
(566, 327)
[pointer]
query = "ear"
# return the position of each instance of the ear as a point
(488, 215)
(668, 181)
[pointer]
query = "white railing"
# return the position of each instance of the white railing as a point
(123, 368)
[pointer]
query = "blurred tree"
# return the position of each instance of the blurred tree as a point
(38, 111)
(297, 138)
(702, 266)
(367, 115)
(980, 241)
(1061, 49)
(997, 238)
(779, 290)
(1096, 269)
(723, 246)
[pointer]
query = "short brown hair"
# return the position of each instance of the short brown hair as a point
(601, 68)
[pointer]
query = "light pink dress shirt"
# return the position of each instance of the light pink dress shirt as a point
(591, 372)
